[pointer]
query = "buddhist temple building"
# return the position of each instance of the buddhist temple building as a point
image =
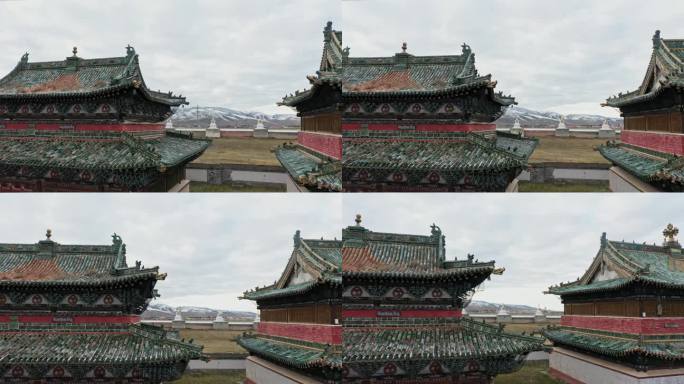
(89, 125)
(314, 161)
(403, 301)
(71, 314)
(299, 336)
(425, 124)
(624, 318)
(648, 157)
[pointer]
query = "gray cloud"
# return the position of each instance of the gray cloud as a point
(242, 54)
(565, 56)
(541, 239)
(213, 247)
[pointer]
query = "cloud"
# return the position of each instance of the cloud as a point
(541, 239)
(566, 56)
(242, 54)
(213, 247)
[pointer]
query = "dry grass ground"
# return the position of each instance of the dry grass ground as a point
(525, 186)
(533, 372)
(251, 151)
(212, 377)
(198, 186)
(527, 328)
(214, 341)
(568, 150)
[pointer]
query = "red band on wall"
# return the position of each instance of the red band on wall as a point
(68, 319)
(317, 333)
(125, 127)
(663, 142)
(327, 144)
(380, 313)
(631, 325)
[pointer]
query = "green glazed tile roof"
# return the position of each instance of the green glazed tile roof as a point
(460, 340)
(123, 152)
(661, 169)
(79, 77)
(470, 153)
(634, 263)
(51, 263)
(665, 71)
(367, 254)
(321, 260)
(291, 352)
(616, 346)
(135, 344)
(311, 171)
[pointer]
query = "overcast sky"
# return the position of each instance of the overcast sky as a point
(243, 54)
(566, 56)
(213, 246)
(563, 56)
(541, 239)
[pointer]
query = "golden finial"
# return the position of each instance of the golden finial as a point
(670, 233)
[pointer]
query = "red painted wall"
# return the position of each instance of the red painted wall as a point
(631, 325)
(325, 143)
(423, 127)
(317, 333)
(76, 319)
(158, 127)
(375, 313)
(663, 142)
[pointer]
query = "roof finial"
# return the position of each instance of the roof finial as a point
(670, 233)
(403, 47)
(656, 39)
(358, 219)
(74, 51)
(48, 233)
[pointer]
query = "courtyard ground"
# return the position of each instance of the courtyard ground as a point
(533, 372)
(212, 377)
(198, 186)
(526, 186)
(215, 342)
(568, 150)
(234, 150)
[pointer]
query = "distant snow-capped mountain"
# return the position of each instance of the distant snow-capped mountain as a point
(535, 119)
(160, 311)
(484, 307)
(200, 117)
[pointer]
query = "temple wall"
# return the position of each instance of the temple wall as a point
(575, 368)
(631, 325)
(260, 371)
(326, 143)
(317, 333)
(659, 141)
(86, 126)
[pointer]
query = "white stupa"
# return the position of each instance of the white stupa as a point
(503, 316)
(561, 129)
(465, 313)
(539, 316)
(606, 131)
(219, 318)
(213, 130)
(517, 129)
(178, 321)
(169, 124)
(260, 130)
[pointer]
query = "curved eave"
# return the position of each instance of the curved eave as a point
(646, 280)
(321, 361)
(285, 292)
(630, 100)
